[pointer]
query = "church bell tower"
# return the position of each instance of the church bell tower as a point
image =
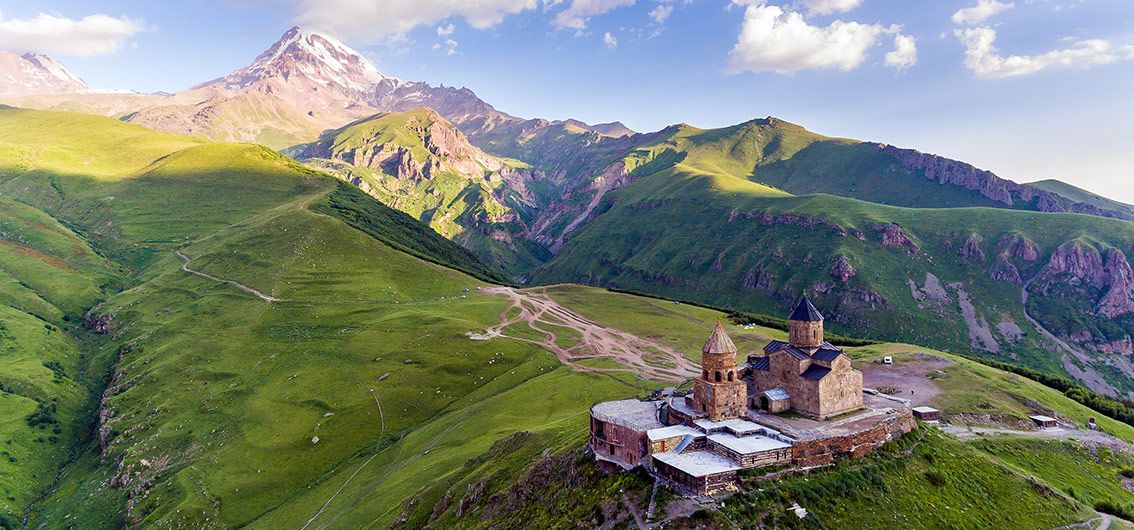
(719, 392)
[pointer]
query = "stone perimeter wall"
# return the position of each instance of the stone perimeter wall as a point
(808, 453)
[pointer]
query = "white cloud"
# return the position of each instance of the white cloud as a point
(660, 13)
(90, 35)
(579, 13)
(772, 40)
(826, 7)
(449, 47)
(609, 40)
(904, 54)
(985, 60)
(370, 20)
(444, 31)
(981, 11)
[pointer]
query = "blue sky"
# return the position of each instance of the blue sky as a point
(1063, 107)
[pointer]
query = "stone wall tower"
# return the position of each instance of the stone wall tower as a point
(805, 325)
(719, 392)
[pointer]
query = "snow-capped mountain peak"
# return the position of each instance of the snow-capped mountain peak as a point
(30, 74)
(54, 68)
(311, 55)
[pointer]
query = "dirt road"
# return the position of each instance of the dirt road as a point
(238, 285)
(1058, 433)
(634, 354)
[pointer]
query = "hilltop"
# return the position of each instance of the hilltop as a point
(364, 387)
(877, 231)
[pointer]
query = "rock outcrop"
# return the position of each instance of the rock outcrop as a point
(843, 269)
(970, 249)
(1119, 281)
(101, 324)
(1077, 263)
(894, 236)
(945, 171)
(1004, 270)
(760, 279)
(1015, 246)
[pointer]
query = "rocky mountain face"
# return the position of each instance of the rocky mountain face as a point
(945, 171)
(31, 74)
(420, 163)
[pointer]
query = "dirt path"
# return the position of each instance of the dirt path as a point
(966, 432)
(238, 285)
(636, 355)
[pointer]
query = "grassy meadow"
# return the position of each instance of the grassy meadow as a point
(358, 399)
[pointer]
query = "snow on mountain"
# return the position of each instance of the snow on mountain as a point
(31, 74)
(308, 59)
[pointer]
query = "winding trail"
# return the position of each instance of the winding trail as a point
(639, 356)
(238, 285)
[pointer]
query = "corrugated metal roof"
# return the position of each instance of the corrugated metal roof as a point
(797, 353)
(775, 346)
(777, 394)
(805, 311)
(826, 355)
(815, 372)
(719, 342)
(760, 363)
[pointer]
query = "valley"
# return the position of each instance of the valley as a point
(307, 294)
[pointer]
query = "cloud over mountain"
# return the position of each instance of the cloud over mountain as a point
(983, 10)
(579, 13)
(984, 59)
(774, 40)
(904, 54)
(826, 7)
(44, 33)
(372, 19)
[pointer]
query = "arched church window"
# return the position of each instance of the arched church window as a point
(717, 376)
(730, 375)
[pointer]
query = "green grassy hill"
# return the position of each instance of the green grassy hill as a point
(699, 223)
(1081, 195)
(356, 398)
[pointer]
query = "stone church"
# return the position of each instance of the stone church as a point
(806, 374)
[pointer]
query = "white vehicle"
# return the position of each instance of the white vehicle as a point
(887, 360)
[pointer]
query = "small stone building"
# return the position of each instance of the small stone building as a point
(816, 376)
(775, 401)
(927, 414)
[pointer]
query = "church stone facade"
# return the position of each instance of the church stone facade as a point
(806, 374)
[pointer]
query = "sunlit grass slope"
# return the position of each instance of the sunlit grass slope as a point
(688, 229)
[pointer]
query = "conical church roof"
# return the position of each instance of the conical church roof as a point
(805, 312)
(719, 342)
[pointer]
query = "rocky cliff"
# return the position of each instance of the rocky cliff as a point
(945, 171)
